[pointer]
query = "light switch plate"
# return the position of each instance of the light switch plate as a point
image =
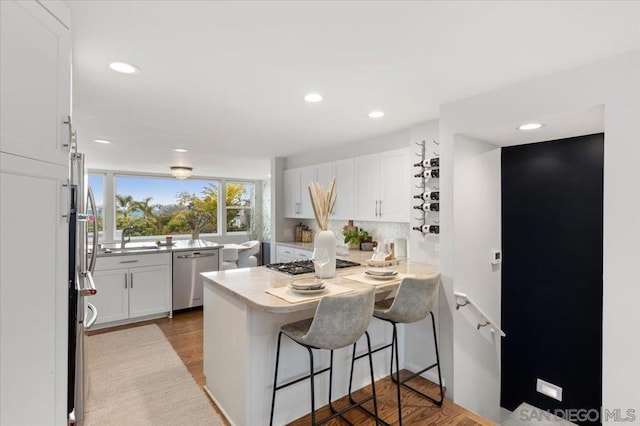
(496, 256)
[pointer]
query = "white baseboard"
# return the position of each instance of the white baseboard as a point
(224, 413)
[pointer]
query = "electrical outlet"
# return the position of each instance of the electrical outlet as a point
(288, 233)
(496, 256)
(548, 389)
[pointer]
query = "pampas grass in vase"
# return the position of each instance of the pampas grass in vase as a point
(323, 204)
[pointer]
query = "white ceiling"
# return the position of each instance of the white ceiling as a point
(567, 124)
(226, 79)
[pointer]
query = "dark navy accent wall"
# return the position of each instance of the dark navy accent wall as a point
(552, 204)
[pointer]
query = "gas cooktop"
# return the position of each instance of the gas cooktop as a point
(305, 266)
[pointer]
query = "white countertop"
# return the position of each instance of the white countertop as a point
(248, 284)
(178, 245)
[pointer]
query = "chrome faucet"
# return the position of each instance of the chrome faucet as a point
(126, 232)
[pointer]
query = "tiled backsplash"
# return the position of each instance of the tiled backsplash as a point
(378, 230)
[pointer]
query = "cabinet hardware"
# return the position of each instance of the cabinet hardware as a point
(380, 208)
(128, 261)
(126, 279)
(131, 280)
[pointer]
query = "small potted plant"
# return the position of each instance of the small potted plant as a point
(355, 236)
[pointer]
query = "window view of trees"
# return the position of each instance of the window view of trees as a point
(155, 206)
(239, 204)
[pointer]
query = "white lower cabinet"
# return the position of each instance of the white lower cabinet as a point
(131, 292)
(290, 254)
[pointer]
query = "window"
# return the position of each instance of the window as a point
(160, 206)
(96, 182)
(240, 201)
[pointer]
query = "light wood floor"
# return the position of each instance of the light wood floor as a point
(184, 332)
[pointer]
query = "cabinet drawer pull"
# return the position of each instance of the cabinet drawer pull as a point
(126, 279)
(129, 261)
(131, 280)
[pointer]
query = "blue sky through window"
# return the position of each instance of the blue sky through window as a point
(162, 190)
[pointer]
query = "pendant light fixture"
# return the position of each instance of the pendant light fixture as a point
(181, 172)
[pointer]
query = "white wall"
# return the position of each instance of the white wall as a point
(477, 226)
(614, 82)
(387, 142)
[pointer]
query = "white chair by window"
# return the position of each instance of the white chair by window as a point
(247, 258)
(229, 258)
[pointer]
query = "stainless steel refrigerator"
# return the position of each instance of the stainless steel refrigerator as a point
(82, 314)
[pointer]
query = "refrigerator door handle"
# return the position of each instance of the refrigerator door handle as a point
(94, 317)
(94, 250)
(89, 290)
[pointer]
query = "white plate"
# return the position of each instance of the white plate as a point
(308, 291)
(381, 272)
(307, 283)
(383, 277)
(295, 287)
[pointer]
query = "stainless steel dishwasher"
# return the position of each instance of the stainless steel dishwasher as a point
(187, 282)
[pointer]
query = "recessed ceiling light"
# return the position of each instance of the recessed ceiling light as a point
(313, 97)
(101, 141)
(124, 67)
(376, 114)
(530, 126)
(180, 150)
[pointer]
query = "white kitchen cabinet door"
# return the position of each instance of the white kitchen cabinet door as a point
(34, 292)
(324, 173)
(307, 176)
(291, 192)
(149, 290)
(302, 254)
(367, 187)
(35, 82)
(394, 186)
(112, 298)
(285, 254)
(297, 203)
(344, 172)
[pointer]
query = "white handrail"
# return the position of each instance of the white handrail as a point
(483, 319)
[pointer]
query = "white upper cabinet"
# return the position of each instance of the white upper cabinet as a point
(296, 193)
(35, 81)
(382, 187)
(395, 198)
(372, 187)
(343, 172)
(367, 187)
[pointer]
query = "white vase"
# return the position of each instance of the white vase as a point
(327, 240)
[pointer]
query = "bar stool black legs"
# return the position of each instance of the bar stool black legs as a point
(404, 381)
(311, 376)
(395, 377)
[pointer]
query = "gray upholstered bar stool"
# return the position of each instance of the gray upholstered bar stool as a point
(339, 321)
(413, 302)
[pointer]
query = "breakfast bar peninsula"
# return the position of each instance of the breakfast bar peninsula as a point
(241, 324)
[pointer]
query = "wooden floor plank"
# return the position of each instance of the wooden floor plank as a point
(184, 331)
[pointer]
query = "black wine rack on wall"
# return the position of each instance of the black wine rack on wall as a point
(429, 198)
